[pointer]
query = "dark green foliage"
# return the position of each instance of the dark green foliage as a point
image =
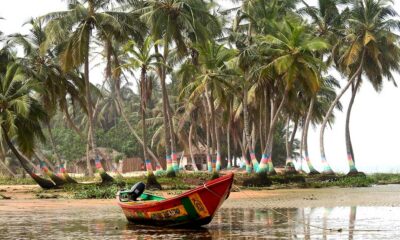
(215, 175)
(258, 180)
(152, 182)
(105, 178)
(70, 145)
(342, 181)
(16, 181)
(120, 139)
(95, 191)
(171, 174)
(386, 178)
(286, 179)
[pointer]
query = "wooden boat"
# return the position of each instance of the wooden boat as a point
(194, 208)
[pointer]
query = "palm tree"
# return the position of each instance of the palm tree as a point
(329, 23)
(74, 29)
(172, 20)
(141, 57)
(293, 50)
(20, 117)
(120, 94)
(57, 86)
(318, 105)
(369, 48)
(212, 80)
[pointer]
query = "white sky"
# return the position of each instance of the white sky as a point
(375, 123)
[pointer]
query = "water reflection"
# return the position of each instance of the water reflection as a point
(107, 222)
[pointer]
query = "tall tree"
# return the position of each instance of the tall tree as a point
(56, 87)
(369, 48)
(142, 58)
(20, 117)
(293, 61)
(73, 30)
(172, 20)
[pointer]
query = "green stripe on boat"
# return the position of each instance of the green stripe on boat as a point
(189, 208)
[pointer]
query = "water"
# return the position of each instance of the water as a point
(108, 222)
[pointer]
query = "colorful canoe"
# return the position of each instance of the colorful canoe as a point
(194, 208)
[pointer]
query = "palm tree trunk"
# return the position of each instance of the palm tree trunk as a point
(91, 129)
(253, 157)
(3, 160)
(246, 123)
(244, 148)
(120, 105)
(228, 137)
(267, 165)
(287, 132)
(174, 158)
(4, 165)
(217, 134)
(149, 167)
(43, 183)
(214, 132)
(72, 124)
(167, 138)
(207, 123)
(194, 166)
(327, 168)
(53, 145)
(90, 112)
(261, 123)
(56, 179)
(168, 118)
(48, 163)
(313, 171)
(290, 168)
(267, 120)
(151, 179)
(349, 145)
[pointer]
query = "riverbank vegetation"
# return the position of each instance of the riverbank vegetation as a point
(245, 81)
(90, 189)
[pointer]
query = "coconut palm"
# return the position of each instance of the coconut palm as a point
(293, 61)
(369, 48)
(74, 30)
(122, 94)
(172, 20)
(141, 57)
(318, 105)
(20, 117)
(57, 86)
(212, 81)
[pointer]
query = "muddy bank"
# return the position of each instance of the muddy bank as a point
(30, 197)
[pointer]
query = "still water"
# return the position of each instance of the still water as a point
(108, 222)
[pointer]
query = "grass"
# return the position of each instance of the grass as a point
(384, 178)
(340, 181)
(16, 181)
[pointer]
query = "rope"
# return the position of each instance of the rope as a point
(211, 191)
(303, 222)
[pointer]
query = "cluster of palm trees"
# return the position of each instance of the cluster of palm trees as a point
(216, 79)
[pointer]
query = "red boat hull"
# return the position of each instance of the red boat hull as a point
(194, 208)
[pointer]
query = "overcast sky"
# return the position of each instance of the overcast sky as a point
(375, 123)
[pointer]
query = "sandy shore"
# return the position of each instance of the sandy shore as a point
(24, 198)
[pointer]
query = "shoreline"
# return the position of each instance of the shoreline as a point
(25, 198)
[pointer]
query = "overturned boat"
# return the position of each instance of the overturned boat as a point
(193, 208)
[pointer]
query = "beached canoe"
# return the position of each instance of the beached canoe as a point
(194, 208)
